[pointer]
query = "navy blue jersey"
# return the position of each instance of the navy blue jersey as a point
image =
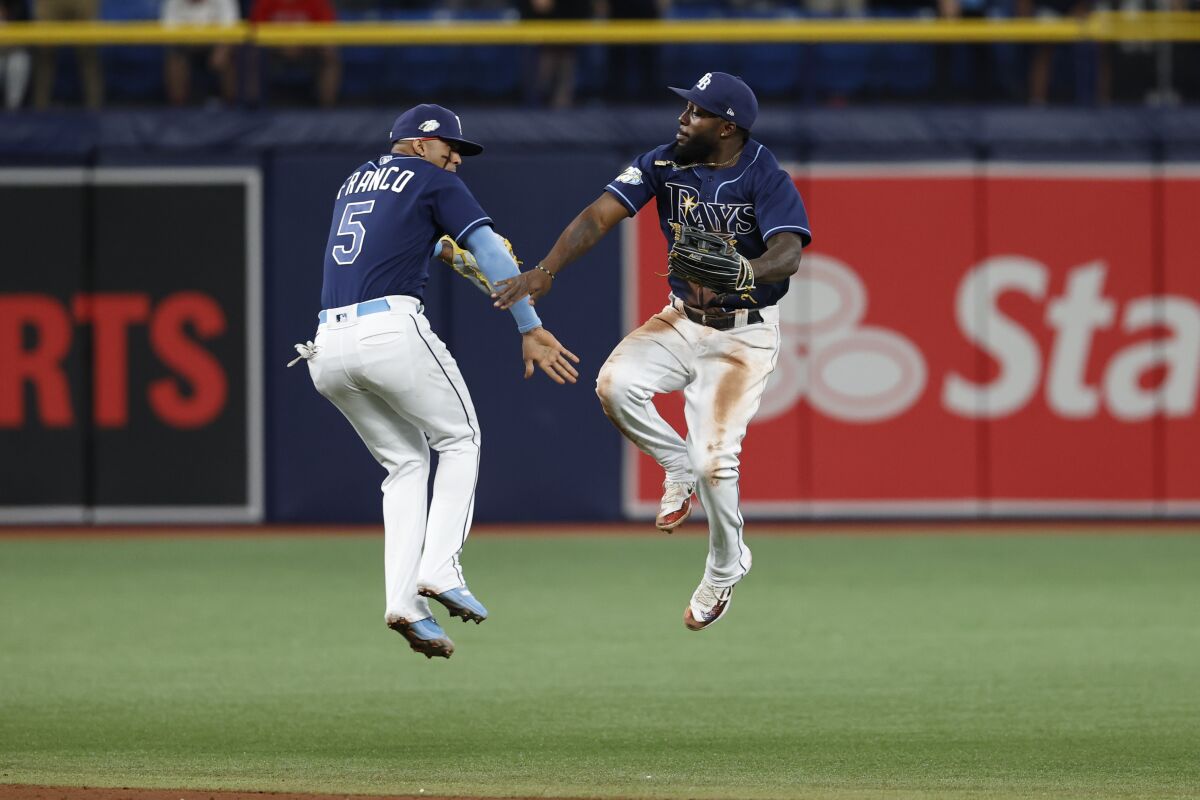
(388, 215)
(752, 201)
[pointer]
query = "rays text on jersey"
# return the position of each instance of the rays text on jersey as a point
(688, 209)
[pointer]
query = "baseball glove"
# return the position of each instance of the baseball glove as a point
(710, 260)
(464, 263)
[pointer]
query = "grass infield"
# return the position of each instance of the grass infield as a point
(860, 666)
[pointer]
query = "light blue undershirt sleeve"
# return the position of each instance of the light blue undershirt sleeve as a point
(495, 262)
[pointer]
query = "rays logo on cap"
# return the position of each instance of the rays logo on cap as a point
(429, 125)
(723, 95)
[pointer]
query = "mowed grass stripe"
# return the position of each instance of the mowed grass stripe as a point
(940, 666)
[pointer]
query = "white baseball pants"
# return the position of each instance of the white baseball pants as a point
(396, 382)
(723, 375)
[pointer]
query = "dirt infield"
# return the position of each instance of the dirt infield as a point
(24, 792)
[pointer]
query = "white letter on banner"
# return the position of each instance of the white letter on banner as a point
(1076, 316)
(1008, 343)
(1179, 355)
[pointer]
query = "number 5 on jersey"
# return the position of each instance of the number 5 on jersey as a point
(349, 226)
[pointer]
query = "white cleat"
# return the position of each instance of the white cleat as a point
(709, 603)
(676, 505)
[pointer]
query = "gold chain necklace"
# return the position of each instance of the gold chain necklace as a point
(713, 164)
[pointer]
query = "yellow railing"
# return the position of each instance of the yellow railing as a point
(1098, 27)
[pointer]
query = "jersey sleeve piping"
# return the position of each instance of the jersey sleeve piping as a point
(780, 228)
(624, 200)
(472, 226)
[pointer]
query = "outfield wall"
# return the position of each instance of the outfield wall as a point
(1000, 316)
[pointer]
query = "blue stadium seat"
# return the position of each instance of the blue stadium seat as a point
(683, 64)
(132, 74)
(771, 69)
(591, 72)
(903, 67)
(419, 72)
(488, 71)
(1008, 59)
(363, 68)
(128, 10)
(839, 69)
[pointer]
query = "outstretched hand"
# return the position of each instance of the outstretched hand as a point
(532, 283)
(539, 347)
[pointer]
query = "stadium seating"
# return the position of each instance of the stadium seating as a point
(901, 68)
(772, 69)
(418, 71)
(797, 73)
(837, 71)
(132, 74)
(362, 67)
(487, 72)
(682, 64)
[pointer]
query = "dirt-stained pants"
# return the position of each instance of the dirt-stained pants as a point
(722, 375)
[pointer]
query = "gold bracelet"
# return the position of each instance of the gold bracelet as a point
(543, 269)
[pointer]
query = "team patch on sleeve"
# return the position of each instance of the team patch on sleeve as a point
(631, 175)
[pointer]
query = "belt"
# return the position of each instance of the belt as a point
(361, 310)
(720, 320)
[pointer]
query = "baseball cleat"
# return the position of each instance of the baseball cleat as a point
(709, 603)
(425, 636)
(676, 505)
(459, 602)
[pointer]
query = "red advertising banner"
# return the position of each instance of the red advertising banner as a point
(130, 334)
(964, 340)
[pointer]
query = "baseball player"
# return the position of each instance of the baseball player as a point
(376, 359)
(726, 207)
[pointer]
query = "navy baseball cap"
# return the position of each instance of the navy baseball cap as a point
(725, 95)
(428, 121)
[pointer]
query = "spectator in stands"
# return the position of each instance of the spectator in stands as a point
(632, 69)
(324, 59)
(553, 66)
(974, 62)
(14, 62)
(1151, 72)
(1041, 58)
(90, 76)
(218, 59)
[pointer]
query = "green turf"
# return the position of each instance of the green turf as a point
(897, 666)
